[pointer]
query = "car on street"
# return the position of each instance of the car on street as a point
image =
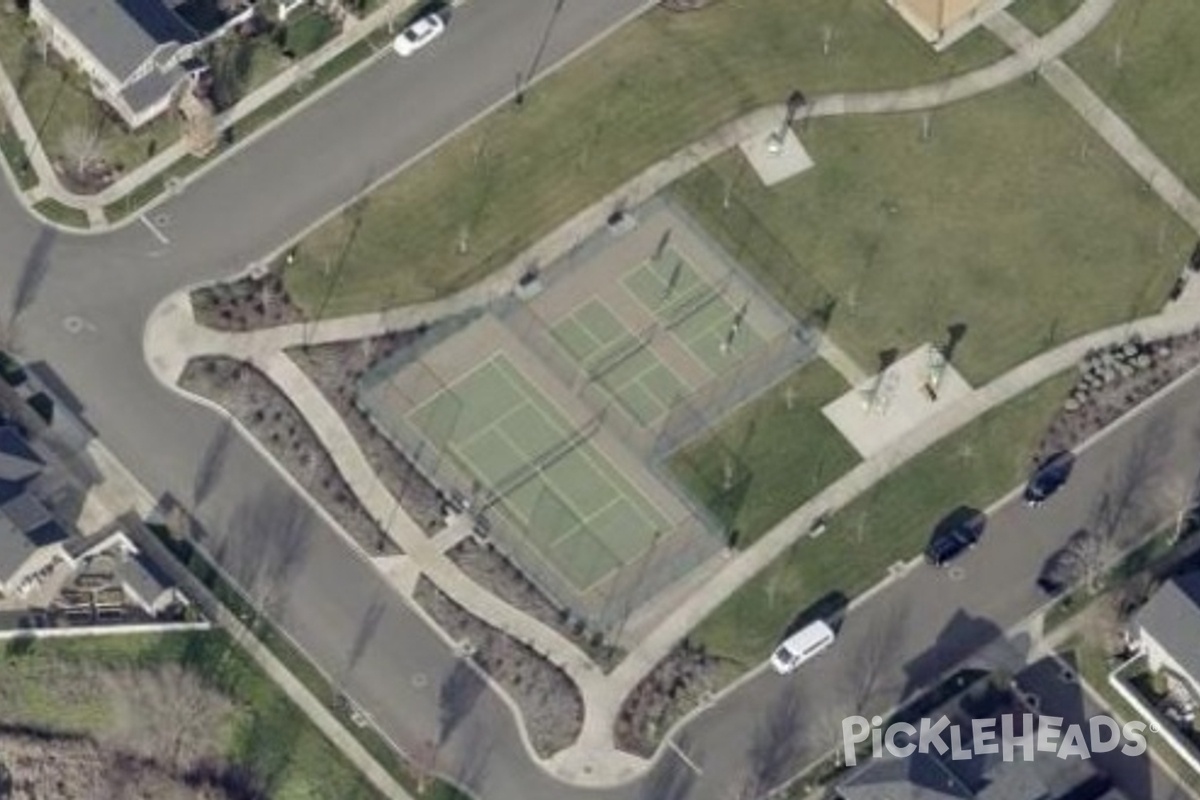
(418, 34)
(801, 646)
(1049, 476)
(959, 532)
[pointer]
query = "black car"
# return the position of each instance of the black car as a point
(956, 534)
(1050, 476)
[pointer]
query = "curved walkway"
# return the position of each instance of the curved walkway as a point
(172, 338)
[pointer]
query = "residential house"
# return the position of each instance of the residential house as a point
(943, 22)
(1168, 629)
(31, 541)
(143, 583)
(930, 776)
(138, 54)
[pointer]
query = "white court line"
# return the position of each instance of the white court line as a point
(157, 233)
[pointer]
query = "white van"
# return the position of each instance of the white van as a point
(801, 646)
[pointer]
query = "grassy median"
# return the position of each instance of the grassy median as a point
(663, 81)
(891, 522)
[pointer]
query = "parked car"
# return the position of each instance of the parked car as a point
(419, 33)
(801, 646)
(1049, 476)
(960, 531)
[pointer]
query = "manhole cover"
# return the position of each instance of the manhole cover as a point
(956, 573)
(420, 680)
(162, 218)
(73, 324)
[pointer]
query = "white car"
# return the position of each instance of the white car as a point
(420, 33)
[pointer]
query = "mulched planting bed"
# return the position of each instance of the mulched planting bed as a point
(489, 568)
(335, 368)
(550, 702)
(1114, 380)
(245, 304)
(679, 683)
(262, 409)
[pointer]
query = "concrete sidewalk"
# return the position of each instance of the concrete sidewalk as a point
(172, 338)
(1102, 119)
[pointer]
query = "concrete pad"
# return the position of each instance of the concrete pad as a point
(901, 403)
(776, 161)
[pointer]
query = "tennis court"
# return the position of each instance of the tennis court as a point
(622, 362)
(574, 507)
(696, 312)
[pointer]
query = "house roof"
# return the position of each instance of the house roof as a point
(921, 776)
(147, 91)
(1172, 618)
(143, 577)
(121, 34)
(17, 544)
(18, 462)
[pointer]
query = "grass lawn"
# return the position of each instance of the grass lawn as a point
(1144, 62)
(1043, 16)
(663, 81)
(268, 735)
(57, 99)
(780, 457)
(891, 522)
(996, 222)
(13, 150)
(66, 215)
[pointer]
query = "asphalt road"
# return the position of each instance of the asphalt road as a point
(323, 593)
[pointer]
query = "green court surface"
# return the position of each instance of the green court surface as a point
(602, 345)
(697, 315)
(566, 499)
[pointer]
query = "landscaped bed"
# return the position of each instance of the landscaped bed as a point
(632, 100)
(1004, 214)
(485, 565)
(549, 701)
(246, 303)
(676, 685)
(253, 400)
(335, 369)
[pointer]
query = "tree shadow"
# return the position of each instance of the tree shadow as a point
(456, 697)
(211, 463)
(365, 633)
(670, 779)
(954, 337)
(862, 681)
(30, 279)
(887, 358)
(266, 544)
(1125, 504)
(776, 744)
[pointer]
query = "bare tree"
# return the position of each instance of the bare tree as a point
(873, 653)
(1088, 556)
(81, 150)
(168, 714)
